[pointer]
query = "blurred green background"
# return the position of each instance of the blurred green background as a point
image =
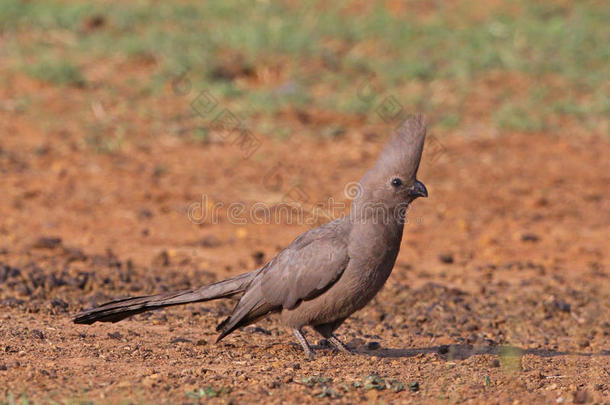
(507, 65)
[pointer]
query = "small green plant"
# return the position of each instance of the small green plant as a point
(315, 379)
(374, 381)
(207, 392)
(510, 358)
(448, 121)
(57, 72)
(10, 399)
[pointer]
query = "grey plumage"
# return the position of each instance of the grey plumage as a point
(325, 274)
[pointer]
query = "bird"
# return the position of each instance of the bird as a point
(326, 273)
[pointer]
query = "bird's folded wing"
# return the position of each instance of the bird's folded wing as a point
(305, 269)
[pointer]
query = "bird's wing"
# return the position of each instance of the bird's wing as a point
(306, 268)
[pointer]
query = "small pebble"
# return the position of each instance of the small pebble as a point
(373, 345)
(414, 386)
(530, 237)
(38, 334)
(47, 243)
(115, 335)
(257, 329)
(562, 306)
(446, 258)
(259, 258)
(323, 343)
(59, 304)
(180, 340)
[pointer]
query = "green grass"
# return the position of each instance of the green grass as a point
(517, 117)
(57, 72)
(323, 45)
(11, 399)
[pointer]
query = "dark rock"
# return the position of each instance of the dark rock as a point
(356, 342)
(530, 237)
(75, 255)
(80, 280)
(145, 214)
(115, 335)
(135, 287)
(59, 304)
(446, 258)
(414, 386)
(444, 349)
(259, 258)
(47, 243)
(471, 326)
(38, 334)
(373, 345)
(7, 272)
(257, 329)
(180, 340)
(209, 241)
(132, 332)
(323, 343)
(53, 281)
(37, 278)
(11, 302)
(561, 305)
(495, 363)
(23, 290)
(93, 22)
(162, 259)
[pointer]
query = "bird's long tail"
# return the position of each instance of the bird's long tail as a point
(118, 310)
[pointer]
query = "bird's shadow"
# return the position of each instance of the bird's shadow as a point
(464, 351)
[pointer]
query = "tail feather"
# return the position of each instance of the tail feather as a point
(118, 310)
(249, 309)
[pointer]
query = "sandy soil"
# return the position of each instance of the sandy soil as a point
(500, 293)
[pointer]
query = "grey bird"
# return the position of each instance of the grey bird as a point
(325, 274)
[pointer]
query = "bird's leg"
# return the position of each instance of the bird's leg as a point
(326, 330)
(306, 348)
(338, 344)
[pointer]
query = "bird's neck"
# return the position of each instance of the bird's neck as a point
(377, 214)
(375, 233)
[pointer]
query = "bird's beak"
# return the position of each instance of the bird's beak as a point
(418, 190)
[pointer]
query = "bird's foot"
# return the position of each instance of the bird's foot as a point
(309, 354)
(333, 340)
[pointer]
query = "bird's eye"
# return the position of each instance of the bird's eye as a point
(396, 182)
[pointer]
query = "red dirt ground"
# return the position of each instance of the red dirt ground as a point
(500, 294)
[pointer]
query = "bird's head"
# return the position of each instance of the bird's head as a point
(392, 181)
